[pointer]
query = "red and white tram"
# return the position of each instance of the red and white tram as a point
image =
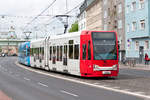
(86, 53)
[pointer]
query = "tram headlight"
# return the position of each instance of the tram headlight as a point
(95, 66)
(115, 67)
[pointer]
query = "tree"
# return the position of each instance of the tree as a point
(74, 27)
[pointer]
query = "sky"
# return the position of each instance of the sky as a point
(34, 7)
(21, 12)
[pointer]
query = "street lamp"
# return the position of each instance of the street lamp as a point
(27, 34)
(64, 20)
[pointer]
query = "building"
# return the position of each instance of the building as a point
(94, 15)
(82, 17)
(137, 29)
(114, 19)
(10, 46)
(107, 15)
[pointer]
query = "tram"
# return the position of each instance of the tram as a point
(85, 54)
(24, 53)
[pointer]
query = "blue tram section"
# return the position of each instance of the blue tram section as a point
(24, 53)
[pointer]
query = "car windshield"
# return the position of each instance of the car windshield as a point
(104, 45)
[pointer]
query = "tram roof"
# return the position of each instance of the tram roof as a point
(67, 35)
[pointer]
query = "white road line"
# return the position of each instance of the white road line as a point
(140, 92)
(96, 83)
(85, 83)
(39, 83)
(106, 85)
(127, 90)
(69, 93)
(26, 79)
(116, 87)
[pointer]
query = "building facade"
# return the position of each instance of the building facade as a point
(114, 19)
(107, 15)
(82, 17)
(10, 46)
(94, 15)
(137, 29)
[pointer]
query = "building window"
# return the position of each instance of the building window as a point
(141, 4)
(119, 24)
(136, 45)
(133, 6)
(105, 14)
(133, 26)
(127, 10)
(146, 45)
(128, 28)
(128, 44)
(142, 24)
(119, 8)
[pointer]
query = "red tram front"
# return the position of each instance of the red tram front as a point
(99, 54)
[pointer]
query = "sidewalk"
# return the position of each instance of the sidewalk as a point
(137, 66)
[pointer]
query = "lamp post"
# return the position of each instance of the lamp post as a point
(27, 34)
(64, 20)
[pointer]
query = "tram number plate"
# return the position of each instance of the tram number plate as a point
(106, 72)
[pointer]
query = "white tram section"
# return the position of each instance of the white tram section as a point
(61, 53)
(37, 59)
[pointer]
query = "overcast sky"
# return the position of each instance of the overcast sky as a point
(34, 7)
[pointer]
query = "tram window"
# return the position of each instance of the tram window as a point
(54, 55)
(84, 51)
(89, 51)
(28, 51)
(76, 52)
(54, 50)
(50, 53)
(65, 56)
(60, 53)
(31, 51)
(57, 53)
(42, 52)
(65, 50)
(37, 53)
(71, 41)
(70, 51)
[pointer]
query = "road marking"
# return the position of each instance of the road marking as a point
(96, 83)
(27, 79)
(85, 83)
(69, 93)
(140, 92)
(127, 90)
(42, 84)
(116, 87)
(106, 85)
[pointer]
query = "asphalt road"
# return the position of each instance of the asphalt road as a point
(22, 84)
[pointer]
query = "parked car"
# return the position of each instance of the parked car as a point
(3, 54)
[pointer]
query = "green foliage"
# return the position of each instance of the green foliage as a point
(74, 27)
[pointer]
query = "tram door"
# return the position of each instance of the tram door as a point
(85, 55)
